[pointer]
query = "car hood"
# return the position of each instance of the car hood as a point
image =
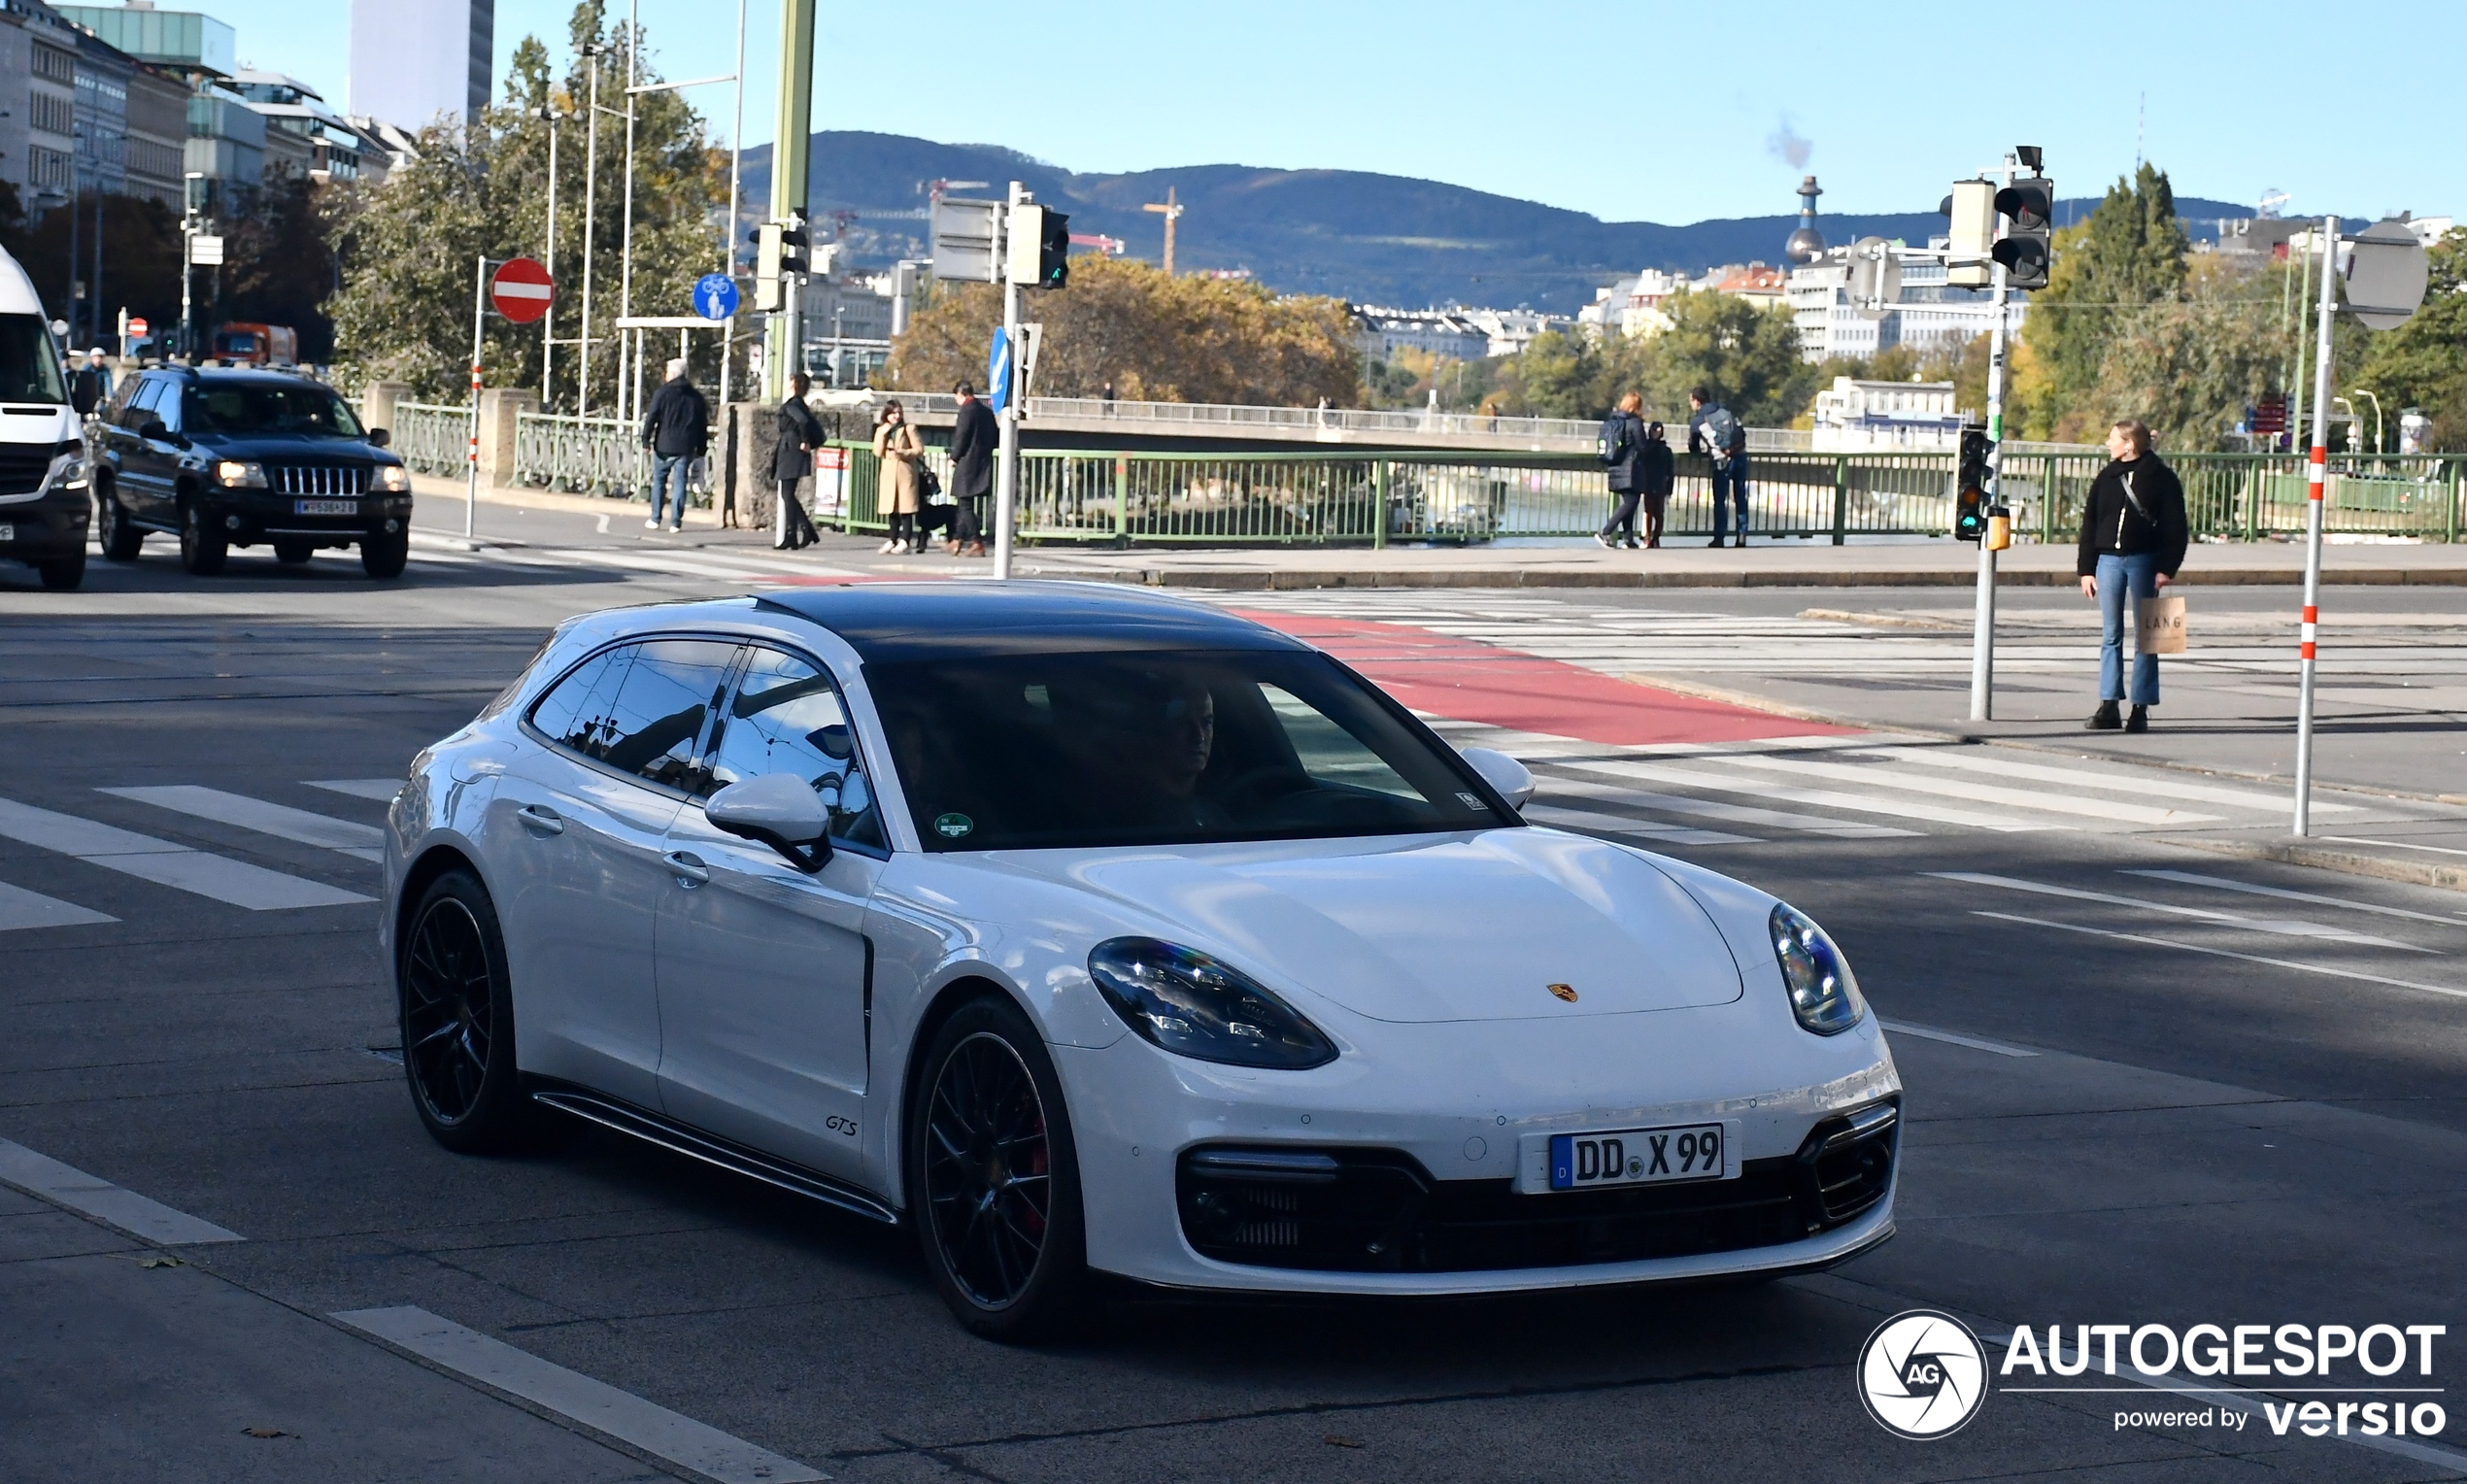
(1431, 928)
(279, 450)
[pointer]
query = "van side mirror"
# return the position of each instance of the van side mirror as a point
(378, 438)
(780, 810)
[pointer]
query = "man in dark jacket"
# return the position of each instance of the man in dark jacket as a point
(677, 429)
(1714, 430)
(2132, 538)
(91, 386)
(1622, 446)
(801, 434)
(974, 437)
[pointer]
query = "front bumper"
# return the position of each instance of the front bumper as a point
(47, 528)
(248, 517)
(1427, 1202)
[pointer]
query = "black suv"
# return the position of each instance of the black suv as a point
(225, 459)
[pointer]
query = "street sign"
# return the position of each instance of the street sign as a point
(997, 373)
(1874, 283)
(522, 291)
(715, 297)
(139, 329)
(965, 236)
(2386, 276)
(205, 250)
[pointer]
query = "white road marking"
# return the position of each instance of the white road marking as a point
(2438, 850)
(21, 908)
(602, 526)
(2195, 879)
(2000, 763)
(366, 842)
(596, 1404)
(2221, 953)
(1860, 803)
(1619, 823)
(1911, 781)
(1713, 809)
(2285, 927)
(164, 862)
(1955, 1039)
(39, 1174)
(380, 790)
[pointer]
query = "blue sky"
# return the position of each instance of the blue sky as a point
(1656, 111)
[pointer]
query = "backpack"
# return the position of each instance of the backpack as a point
(1619, 442)
(1724, 434)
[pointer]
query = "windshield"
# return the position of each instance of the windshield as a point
(301, 409)
(29, 367)
(235, 342)
(1039, 750)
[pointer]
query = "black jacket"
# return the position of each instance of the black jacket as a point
(1622, 442)
(801, 434)
(1657, 467)
(678, 419)
(974, 439)
(2134, 507)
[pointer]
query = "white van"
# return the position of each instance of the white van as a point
(43, 509)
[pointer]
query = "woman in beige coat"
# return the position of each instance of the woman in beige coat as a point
(899, 447)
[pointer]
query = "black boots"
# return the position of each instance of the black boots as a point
(2139, 720)
(2104, 719)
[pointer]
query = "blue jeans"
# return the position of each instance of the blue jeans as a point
(1732, 474)
(2115, 574)
(667, 470)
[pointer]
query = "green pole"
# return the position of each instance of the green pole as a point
(791, 145)
(1379, 501)
(1122, 499)
(1841, 499)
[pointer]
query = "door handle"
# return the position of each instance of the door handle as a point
(540, 820)
(688, 868)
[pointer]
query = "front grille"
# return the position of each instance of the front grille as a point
(1378, 1210)
(317, 479)
(23, 465)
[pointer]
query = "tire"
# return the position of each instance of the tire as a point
(454, 1005)
(295, 553)
(202, 548)
(120, 540)
(986, 1096)
(382, 556)
(62, 574)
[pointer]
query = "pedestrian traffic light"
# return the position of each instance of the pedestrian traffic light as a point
(2029, 206)
(1970, 487)
(1053, 251)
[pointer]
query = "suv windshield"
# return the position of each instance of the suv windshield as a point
(258, 408)
(30, 368)
(1038, 750)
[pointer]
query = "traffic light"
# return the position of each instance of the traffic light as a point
(1970, 487)
(1972, 208)
(794, 245)
(1053, 251)
(767, 247)
(2029, 206)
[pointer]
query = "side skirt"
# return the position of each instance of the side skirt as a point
(710, 1149)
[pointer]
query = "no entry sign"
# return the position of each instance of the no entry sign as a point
(522, 291)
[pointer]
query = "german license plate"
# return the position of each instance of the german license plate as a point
(1581, 1161)
(325, 507)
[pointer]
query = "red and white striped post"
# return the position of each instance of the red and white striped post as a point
(2317, 477)
(479, 314)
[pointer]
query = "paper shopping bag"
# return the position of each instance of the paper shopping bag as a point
(2162, 623)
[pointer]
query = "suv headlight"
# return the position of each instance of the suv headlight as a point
(393, 479)
(1192, 1005)
(1824, 995)
(233, 474)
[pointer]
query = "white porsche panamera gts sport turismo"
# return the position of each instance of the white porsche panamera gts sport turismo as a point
(1092, 932)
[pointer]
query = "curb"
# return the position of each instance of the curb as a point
(1249, 579)
(2449, 877)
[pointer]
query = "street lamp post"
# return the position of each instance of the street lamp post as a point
(550, 116)
(591, 217)
(2366, 392)
(188, 262)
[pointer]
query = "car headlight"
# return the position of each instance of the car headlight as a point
(233, 474)
(1192, 1005)
(393, 479)
(1823, 991)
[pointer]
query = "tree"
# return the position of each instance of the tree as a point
(281, 264)
(1155, 338)
(2128, 254)
(2423, 362)
(141, 259)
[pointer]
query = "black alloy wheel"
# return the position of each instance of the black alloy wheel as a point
(994, 1179)
(203, 547)
(120, 540)
(457, 1018)
(293, 553)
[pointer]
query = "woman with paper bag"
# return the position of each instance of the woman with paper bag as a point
(2133, 539)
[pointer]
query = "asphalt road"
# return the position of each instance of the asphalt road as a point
(2163, 1100)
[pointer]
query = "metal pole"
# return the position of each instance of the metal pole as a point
(95, 285)
(591, 217)
(1007, 477)
(727, 228)
(547, 320)
(1982, 654)
(188, 273)
(792, 142)
(479, 312)
(625, 249)
(2318, 468)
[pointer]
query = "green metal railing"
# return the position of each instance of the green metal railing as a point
(590, 456)
(432, 439)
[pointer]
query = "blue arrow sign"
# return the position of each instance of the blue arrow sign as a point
(997, 373)
(715, 297)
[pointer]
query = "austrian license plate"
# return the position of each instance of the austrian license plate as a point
(325, 507)
(1582, 1162)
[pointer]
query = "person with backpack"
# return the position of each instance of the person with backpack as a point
(1657, 470)
(1712, 431)
(2134, 535)
(1622, 448)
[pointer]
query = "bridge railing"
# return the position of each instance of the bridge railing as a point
(591, 456)
(430, 438)
(1315, 498)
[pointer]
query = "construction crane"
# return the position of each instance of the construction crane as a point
(1171, 211)
(1106, 247)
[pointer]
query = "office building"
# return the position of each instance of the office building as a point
(415, 60)
(302, 134)
(1929, 316)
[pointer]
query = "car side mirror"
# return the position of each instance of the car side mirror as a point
(378, 437)
(780, 810)
(153, 431)
(1513, 781)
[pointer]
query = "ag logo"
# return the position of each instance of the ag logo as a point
(1922, 1375)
